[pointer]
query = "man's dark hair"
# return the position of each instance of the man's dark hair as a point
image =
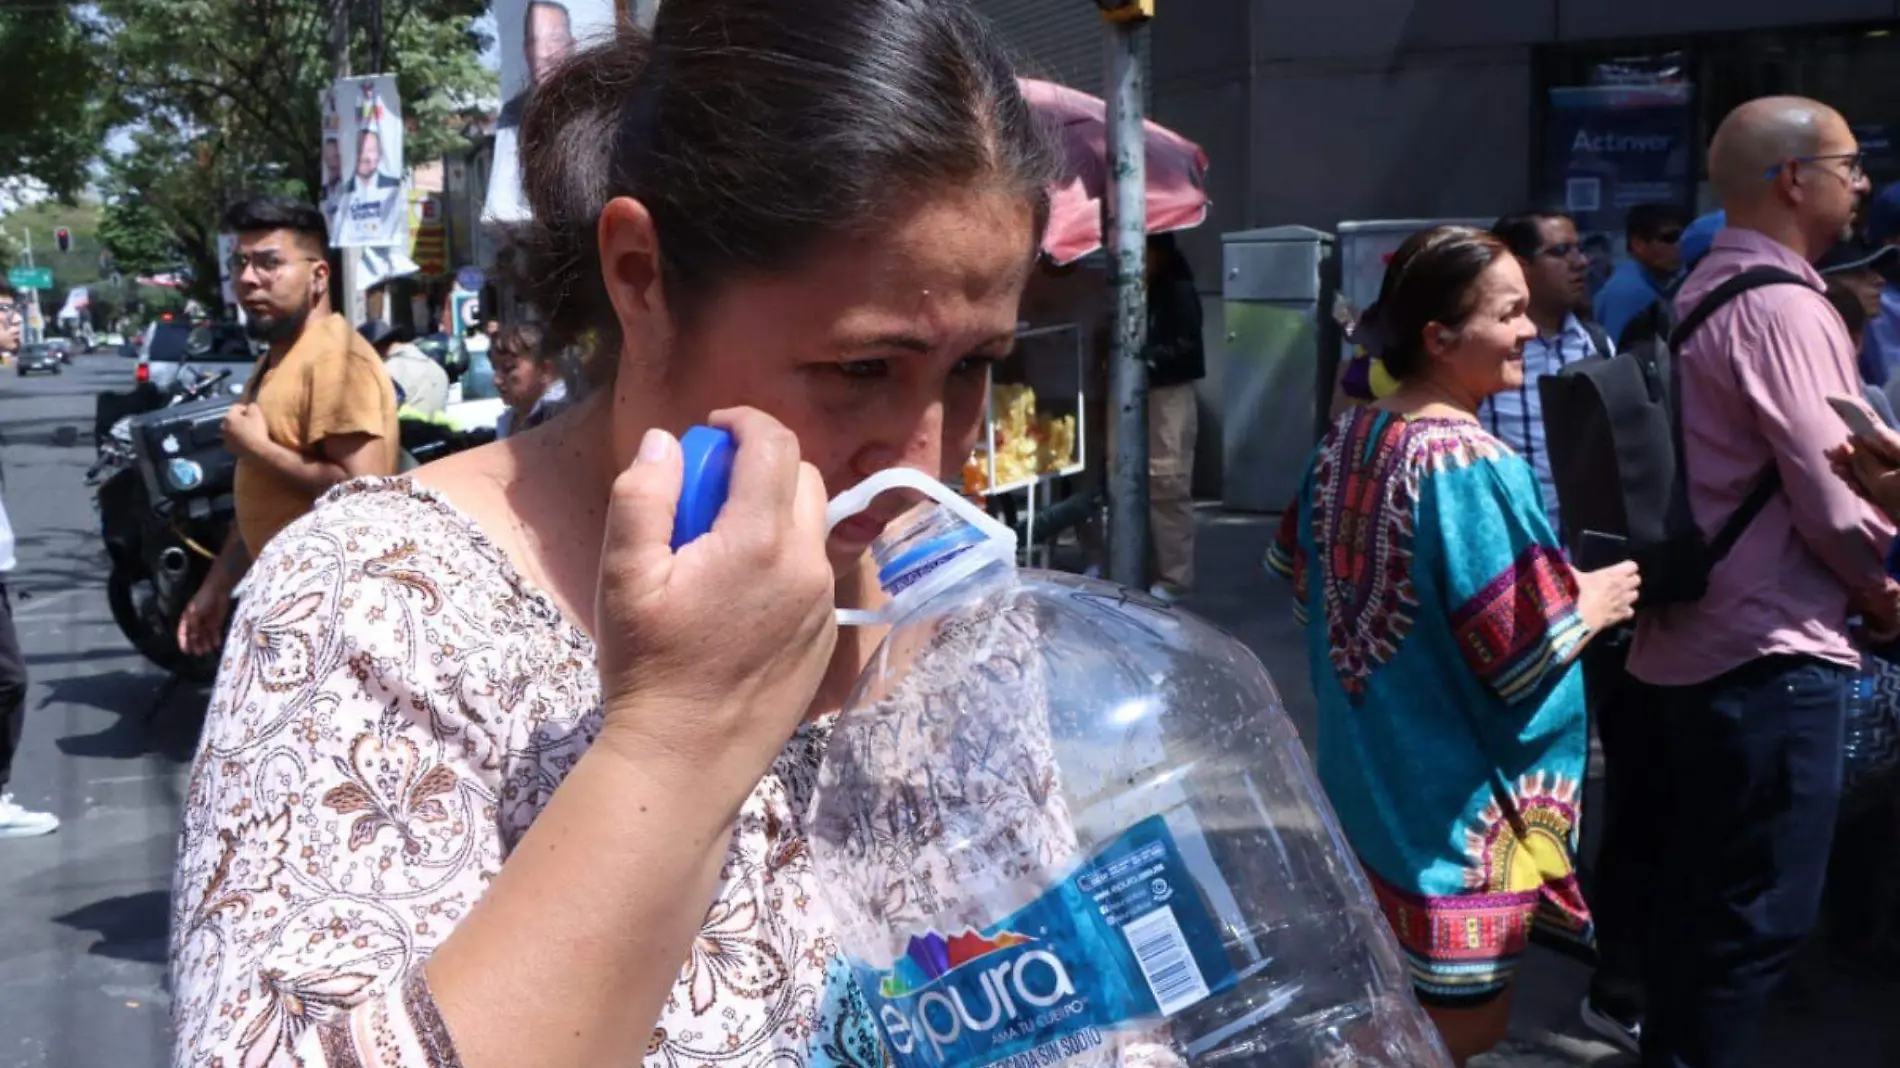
(1651, 221)
(7, 290)
(264, 214)
(755, 132)
(1522, 232)
(1845, 301)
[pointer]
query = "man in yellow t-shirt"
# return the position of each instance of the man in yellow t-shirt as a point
(319, 408)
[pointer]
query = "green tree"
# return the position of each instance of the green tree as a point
(247, 74)
(52, 81)
(137, 236)
(164, 199)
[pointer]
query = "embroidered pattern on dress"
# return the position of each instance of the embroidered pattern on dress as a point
(1365, 495)
(1525, 621)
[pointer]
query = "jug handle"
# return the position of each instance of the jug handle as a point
(859, 497)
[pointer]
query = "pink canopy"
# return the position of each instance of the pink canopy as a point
(1177, 173)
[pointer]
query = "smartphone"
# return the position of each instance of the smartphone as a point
(1597, 550)
(1854, 413)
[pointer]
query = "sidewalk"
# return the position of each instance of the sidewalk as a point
(1832, 1020)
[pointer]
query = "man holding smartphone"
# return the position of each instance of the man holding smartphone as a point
(1755, 675)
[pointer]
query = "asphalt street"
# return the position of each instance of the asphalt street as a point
(108, 742)
(106, 747)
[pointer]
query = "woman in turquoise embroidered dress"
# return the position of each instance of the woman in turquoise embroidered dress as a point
(1444, 623)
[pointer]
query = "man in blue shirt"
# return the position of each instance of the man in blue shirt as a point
(1653, 233)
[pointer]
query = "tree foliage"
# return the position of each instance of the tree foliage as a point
(52, 81)
(226, 97)
(249, 72)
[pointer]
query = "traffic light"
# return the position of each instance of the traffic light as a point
(64, 239)
(1127, 10)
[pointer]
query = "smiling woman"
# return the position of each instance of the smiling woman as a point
(485, 746)
(1452, 732)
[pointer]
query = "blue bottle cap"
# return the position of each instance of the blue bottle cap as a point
(708, 453)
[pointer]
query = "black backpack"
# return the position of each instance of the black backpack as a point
(1613, 429)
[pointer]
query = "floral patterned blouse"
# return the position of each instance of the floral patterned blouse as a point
(394, 708)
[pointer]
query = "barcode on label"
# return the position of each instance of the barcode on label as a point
(1166, 961)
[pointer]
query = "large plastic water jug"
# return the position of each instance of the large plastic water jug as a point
(1060, 822)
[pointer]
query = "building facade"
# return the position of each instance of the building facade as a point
(1313, 113)
(1318, 113)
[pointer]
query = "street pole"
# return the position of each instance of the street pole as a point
(34, 315)
(352, 304)
(1128, 533)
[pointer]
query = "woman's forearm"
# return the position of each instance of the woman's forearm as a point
(571, 953)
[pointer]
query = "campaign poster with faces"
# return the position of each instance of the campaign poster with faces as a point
(535, 35)
(367, 208)
(332, 187)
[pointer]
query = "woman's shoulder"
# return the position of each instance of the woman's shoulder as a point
(1439, 446)
(1418, 446)
(372, 519)
(374, 538)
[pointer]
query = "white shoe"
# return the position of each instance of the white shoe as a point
(16, 822)
(1166, 594)
(1625, 1035)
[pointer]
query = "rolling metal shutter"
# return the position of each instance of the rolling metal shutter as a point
(1057, 40)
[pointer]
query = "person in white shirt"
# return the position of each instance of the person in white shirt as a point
(1546, 244)
(422, 386)
(15, 822)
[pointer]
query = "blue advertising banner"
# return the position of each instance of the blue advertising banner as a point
(1612, 147)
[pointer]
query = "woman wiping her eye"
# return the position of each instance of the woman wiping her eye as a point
(484, 749)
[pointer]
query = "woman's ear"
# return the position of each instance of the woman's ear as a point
(630, 264)
(1439, 339)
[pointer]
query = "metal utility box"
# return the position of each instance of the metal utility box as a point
(1277, 288)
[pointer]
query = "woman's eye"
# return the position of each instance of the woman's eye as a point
(864, 368)
(975, 364)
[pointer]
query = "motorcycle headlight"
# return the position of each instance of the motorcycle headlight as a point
(185, 474)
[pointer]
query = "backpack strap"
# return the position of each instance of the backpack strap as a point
(1600, 339)
(1753, 278)
(1769, 482)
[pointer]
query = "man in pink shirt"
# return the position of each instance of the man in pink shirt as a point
(1753, 678)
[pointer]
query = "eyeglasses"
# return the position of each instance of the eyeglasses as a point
(265, 263)
(1561, 252)
(1856, 161)
(9, 311)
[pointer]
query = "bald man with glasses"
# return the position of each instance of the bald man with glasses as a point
(1751, 682)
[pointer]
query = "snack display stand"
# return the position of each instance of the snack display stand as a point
(1034, 426)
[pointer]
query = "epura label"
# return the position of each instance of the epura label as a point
(1125, 938)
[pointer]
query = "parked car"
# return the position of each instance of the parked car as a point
(108, 341)
(36, 358)
(170, 345)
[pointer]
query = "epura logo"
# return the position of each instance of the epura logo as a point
(945, 990)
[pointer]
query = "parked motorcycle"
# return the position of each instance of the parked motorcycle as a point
(163, 482)
(163, 491)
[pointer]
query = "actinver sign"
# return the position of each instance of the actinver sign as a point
(1601, 143)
